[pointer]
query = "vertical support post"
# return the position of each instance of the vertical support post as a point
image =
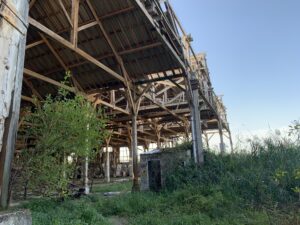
(207, 140)
(187, 130)
(134, 146)
(86, 176)
(86, 166)
(196, 123)
(107, 174)
(158, 135)
(13, 30)
(230, 140)
(222, 145)
(75, 16)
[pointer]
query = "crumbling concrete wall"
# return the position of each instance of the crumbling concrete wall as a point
(16, 218)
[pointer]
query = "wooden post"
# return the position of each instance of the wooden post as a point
(107, 174)
(107, 171)
(230, 140)
(13, 30)
(86, 166)
(134, 146)
(222, 145)
(207, 140)
(196, 123)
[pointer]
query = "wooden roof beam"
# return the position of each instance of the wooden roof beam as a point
(70, 46)
(33, 90)
(71, 89)
(112, 14)
(117, 56)
(65, 12)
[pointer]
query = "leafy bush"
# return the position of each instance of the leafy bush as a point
(64, 129)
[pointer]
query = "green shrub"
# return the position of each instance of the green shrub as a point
(267, 176)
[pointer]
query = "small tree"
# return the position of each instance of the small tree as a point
(63, 128)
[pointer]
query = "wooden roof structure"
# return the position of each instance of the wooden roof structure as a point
(118, 50)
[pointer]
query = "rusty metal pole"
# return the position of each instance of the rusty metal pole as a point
(13, 30)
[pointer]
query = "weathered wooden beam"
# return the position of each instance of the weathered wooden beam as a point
(99, 101)
(75, 16)
(141, 82)
(70, 46)
(71, 89)
(164, 108)
(95, 23)
(65, 12)
(32, 2)
(13, 30)
(48, 80)
(33, 90)
(28, 99)
(33, 44)
(59, 59)
(117, 56)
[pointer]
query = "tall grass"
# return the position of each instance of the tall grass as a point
(257, 187)
(269, 175)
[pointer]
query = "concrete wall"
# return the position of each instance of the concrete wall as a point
(16, 218)
(168, 161)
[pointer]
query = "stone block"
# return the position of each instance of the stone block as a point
(22, 217)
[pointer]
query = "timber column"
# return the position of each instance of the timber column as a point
(196, 122)
(222, 144)
(13, 30)
(134, 146)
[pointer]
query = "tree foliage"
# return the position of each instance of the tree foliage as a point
(64, 128)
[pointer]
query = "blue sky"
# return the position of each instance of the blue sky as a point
(253, 52)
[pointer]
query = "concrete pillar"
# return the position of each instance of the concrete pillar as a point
(13, 30)
(134, 148)
(196, 123)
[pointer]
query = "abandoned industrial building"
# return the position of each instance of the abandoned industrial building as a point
(132, 58)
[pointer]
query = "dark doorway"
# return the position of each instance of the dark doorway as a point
(154, 174)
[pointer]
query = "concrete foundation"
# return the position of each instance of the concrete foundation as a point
(16, 218)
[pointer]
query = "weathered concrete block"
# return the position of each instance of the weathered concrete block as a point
(156, 165)
(22, 217)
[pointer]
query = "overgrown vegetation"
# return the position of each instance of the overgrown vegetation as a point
(256, 187)
(63, 132)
